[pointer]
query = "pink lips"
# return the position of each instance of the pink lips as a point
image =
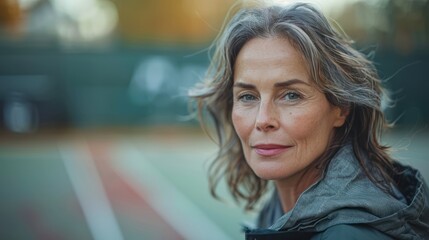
(269, 150)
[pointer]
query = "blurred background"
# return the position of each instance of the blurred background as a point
(95, 136)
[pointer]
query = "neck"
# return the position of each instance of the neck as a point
(290, 189)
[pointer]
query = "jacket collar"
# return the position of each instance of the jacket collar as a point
(337, 199)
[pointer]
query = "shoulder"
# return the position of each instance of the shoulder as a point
(352, 232)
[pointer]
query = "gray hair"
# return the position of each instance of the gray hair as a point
(347, 78)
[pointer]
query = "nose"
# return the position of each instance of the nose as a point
(267, 118)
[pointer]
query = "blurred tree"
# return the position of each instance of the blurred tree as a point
(403, 25)
(170, 21)
(409, 24)
(10, 15)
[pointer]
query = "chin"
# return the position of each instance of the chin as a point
(269, 173)
(267, 170)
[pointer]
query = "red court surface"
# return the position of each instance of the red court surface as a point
(116, 185)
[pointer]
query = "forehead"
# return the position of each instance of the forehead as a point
(267, 58)
(272, 47)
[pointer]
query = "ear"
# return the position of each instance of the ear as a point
(340, 115)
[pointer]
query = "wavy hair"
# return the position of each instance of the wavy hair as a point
(347, 78)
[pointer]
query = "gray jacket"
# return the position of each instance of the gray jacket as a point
(345, 203)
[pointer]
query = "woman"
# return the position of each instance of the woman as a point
(294, 104)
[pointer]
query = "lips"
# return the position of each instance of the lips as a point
(269, 150)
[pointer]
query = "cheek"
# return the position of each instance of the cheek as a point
(243, 120)
(313, 126)
(299, 125)
(240, 122)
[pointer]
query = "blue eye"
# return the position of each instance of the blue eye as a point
(292, 96)
(247, 98)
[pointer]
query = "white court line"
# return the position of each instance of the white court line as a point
(172, 205)
(89, 189)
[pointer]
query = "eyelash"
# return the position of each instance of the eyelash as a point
(242, 97)
(298, 95)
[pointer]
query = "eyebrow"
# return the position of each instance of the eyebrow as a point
(276, 85)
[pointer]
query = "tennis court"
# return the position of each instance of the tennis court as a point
(127, 184)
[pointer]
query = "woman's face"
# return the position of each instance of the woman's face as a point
(283, 121)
